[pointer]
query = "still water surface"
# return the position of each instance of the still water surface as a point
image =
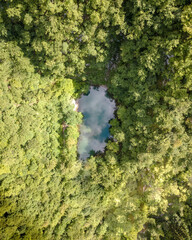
(97, 109)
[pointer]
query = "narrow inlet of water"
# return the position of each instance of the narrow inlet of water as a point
(97, 109)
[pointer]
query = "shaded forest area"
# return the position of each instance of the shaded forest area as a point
(50, 53)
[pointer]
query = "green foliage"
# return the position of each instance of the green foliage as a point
(51, 51)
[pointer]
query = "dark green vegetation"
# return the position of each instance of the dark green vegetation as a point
(50, 52)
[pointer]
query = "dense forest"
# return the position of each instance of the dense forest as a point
(52, 51)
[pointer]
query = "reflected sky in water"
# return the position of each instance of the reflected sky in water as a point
(97, 110)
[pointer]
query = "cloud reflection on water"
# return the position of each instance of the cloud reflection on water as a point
(97, 110)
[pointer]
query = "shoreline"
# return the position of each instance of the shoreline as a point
(76, 105)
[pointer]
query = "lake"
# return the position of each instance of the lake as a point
(97, 109)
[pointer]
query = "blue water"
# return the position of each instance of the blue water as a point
(97, 110)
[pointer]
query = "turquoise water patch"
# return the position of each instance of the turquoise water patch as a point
(97, 109)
